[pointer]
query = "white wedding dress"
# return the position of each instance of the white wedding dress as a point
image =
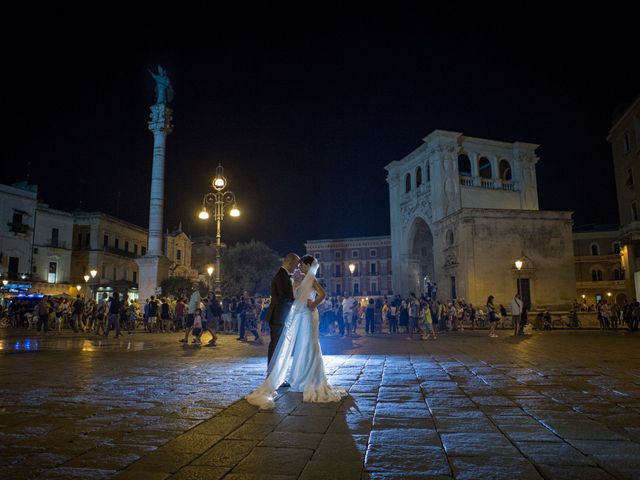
(298, 354)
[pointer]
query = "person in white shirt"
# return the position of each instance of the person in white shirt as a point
(347, 309)
(516, 311)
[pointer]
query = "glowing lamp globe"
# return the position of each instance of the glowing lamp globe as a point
(203, 215)
(210, 271)
(519, 264)
(93, 273)
(234, 212)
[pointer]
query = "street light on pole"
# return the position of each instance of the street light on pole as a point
(352, 268)
(217, 201)
(519, 263)
(210, 272)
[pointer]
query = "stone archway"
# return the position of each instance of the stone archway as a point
(421, 260)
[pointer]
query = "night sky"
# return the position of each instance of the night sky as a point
(304, 110)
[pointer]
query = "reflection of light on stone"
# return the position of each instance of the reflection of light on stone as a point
(87, 346)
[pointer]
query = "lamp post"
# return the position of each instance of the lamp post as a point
(519, 263)
(218, 200)
(352, 268)
(210, 272)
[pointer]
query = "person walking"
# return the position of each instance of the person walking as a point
(428, 323)
(194, 304)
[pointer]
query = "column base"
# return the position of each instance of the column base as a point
(152, 270)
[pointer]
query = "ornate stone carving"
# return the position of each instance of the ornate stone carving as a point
(417, 205)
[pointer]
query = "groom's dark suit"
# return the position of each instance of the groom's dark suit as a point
(281, 302)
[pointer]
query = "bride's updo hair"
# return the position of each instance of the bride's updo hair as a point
(308, 259)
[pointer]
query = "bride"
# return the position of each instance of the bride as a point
(300, 337)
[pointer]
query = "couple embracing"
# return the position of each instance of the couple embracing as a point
(294, 351)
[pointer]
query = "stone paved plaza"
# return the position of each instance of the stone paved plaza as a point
(554, 405)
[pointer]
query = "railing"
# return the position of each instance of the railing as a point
(489, 183)
(466, 181)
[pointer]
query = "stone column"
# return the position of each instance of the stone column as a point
(160, 126)
(154, 266)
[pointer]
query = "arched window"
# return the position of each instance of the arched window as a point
(616, 274)
(407, 183)
(464, 166)
(485, 168)
(505, 171)
(428, 173)
(595, 249)
(596, 275)
(418, 177)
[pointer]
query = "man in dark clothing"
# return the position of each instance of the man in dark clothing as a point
(76, 317)
(114, 315)
(281, 300)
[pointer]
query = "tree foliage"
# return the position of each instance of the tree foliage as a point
(248, 266)
(179, 287)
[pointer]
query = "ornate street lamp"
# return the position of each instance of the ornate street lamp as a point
(217, 201)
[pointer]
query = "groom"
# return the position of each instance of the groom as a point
(281, 299)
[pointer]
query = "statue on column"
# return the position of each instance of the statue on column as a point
(164, 90)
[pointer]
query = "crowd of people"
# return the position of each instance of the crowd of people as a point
(422, 317)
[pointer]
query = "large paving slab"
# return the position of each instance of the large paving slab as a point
(550, 405)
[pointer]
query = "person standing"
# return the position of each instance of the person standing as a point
(516, 311)
(76, 318)
(347, 315)
(43, 315)
(369, 317)
(114, 315)
(493, 317)
(281, 300)
(180, 313)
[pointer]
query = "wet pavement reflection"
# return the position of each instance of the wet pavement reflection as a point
(551, 405)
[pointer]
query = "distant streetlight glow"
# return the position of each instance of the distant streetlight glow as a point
(93, 273)
(5, 282)
(352, 268)
(210, 271)
(86, 278)
(78, 287)
(519, 264)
